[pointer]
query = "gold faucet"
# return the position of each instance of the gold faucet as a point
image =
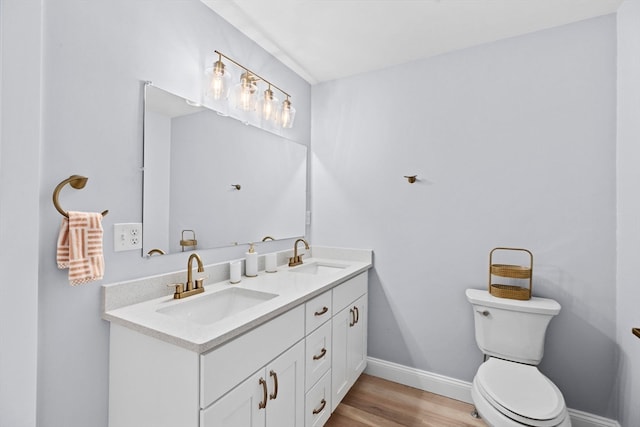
(297, 259)
(181, 292)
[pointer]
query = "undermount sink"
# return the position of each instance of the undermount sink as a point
(318, 268)
(215, 306)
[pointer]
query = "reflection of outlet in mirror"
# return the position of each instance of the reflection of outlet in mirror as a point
(127, 237)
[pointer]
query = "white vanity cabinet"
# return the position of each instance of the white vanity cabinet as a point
(349, 335)
(290, 371)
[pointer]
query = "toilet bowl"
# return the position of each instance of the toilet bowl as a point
(508, 390)
(509, 394)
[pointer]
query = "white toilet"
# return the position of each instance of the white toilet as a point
(508, 389)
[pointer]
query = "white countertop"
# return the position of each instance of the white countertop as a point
(291, 288)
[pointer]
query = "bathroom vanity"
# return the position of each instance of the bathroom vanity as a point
(281, 349)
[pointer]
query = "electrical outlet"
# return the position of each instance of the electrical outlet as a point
(127, 237)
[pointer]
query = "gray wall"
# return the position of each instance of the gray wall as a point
(20, 126)
(513, 143)
(97, 54)
(628, 314)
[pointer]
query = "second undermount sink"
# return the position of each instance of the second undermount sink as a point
(215, 306)
(318, 268)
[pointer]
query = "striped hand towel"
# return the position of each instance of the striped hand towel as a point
(80, 247)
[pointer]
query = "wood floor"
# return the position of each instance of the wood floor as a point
(374, 402)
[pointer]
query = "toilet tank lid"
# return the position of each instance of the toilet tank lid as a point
(534, 305)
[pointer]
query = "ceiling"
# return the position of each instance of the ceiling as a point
(324, 40)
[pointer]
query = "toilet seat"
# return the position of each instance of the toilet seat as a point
(521, 392)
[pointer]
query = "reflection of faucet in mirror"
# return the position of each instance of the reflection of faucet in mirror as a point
(155, 251)
(297, 259)
(265, 238)
(190, 289)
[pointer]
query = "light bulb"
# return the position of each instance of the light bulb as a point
(219, 83)
(246, 93)
(287, 114)
(268, 106)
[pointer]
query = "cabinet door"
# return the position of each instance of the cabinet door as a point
(349, 334)
(339, 376)
(244, 406)
(285, 407)
(357, 341)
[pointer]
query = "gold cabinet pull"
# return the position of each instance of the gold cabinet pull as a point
(323, 403)
(321, 312)
(357, 314)
(321, 355)
(275, 385)
(263, 404)
(353, 317)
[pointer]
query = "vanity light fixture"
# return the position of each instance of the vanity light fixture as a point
(245, 94)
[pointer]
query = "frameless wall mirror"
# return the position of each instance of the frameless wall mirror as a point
(214, 180)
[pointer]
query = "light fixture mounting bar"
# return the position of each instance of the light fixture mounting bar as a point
(252, 73)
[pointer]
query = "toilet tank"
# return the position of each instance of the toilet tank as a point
(511, 329)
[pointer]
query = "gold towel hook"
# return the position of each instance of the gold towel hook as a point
(76, 181)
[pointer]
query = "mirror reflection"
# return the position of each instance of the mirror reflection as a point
(211, 181)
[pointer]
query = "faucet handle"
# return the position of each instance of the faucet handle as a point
(294, 260)
(179, 287)
(199, 283)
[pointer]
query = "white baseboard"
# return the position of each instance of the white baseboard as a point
(423, 380)
(585, 419)
(457, 389)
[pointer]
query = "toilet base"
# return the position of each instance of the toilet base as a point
(494, 418)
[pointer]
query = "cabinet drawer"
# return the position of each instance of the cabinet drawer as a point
(223, 368)
(349, 291)
(318, 311)
(318, 402)
(318, 354)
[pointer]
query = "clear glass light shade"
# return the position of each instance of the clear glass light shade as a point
(246, 93)
(287, 114)
(219, 81)
(268, 107)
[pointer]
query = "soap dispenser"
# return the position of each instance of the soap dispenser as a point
(251, 262)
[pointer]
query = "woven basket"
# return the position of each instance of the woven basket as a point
(513, 272)
(510, 292)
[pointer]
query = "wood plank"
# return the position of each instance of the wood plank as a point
(374, 402)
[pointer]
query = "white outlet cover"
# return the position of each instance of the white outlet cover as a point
(127, 236)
